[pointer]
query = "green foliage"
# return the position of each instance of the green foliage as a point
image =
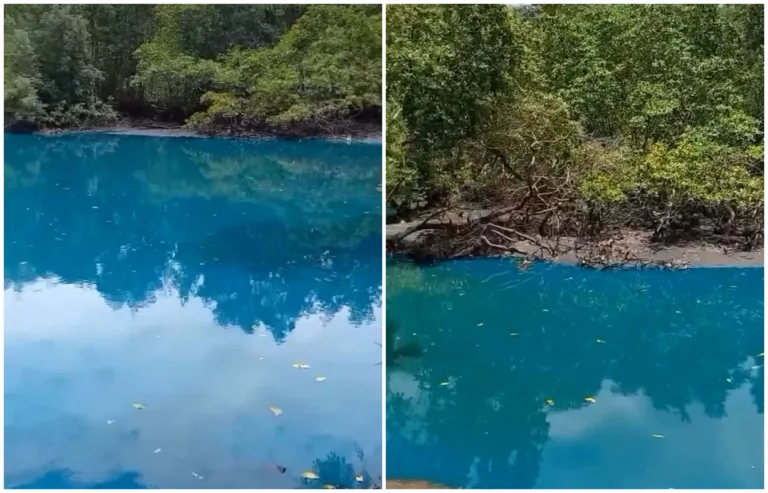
(610, 108)
(70, 65)
(170, 79)
(207, 31)
(446, 67)
(62, 45)
(327, 64)
(21, 72)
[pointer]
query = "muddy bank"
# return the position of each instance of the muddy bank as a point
(571, 251)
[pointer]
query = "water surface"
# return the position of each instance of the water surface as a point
(672, 360)
(188, 275)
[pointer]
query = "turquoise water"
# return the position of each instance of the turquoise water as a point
(187, 276)
(672, 360)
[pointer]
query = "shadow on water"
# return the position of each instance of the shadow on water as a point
(263, 236)
(502, 395)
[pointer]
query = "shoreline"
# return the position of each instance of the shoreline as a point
(691, 254)
(128, 126)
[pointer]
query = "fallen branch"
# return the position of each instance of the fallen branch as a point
(525, 237)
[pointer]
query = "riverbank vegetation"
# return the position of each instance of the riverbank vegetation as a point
(287, 69)
(578, 123)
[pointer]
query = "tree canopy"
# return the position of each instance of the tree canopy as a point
(251, 67)
(584, 118)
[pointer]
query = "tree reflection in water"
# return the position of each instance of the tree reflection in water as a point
(500, 342)
(264, 233)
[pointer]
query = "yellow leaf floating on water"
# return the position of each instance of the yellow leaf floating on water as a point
(320, 379)
(138, 405)
(309, 475)
(590, 399)
(550, 402)
(359, 478)
(276, 410)
(657, 435)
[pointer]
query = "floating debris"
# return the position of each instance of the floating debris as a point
(657, 435)
(729, 380)
(550, 402)
(276, 410)
(262, 358)
(756, 367)
(110, 421)
(138, 405)
(302, 366)
(157, 450)
(545, 310)
(320, 379)
(445, 384)
(359, 478)
(761, 354)
(196, 475)
(599, 341)
(513, 333)
(309, 475)
(590, 399)
(329, 487)
(480, 324)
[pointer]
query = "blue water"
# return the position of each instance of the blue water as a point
(669, 353)
(188, 276)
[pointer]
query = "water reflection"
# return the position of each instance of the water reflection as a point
(124, 258)
(675, 354)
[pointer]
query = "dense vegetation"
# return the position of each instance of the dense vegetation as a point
(577, 121)
(255, 68)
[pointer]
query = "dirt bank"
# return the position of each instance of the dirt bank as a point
(636, 246)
